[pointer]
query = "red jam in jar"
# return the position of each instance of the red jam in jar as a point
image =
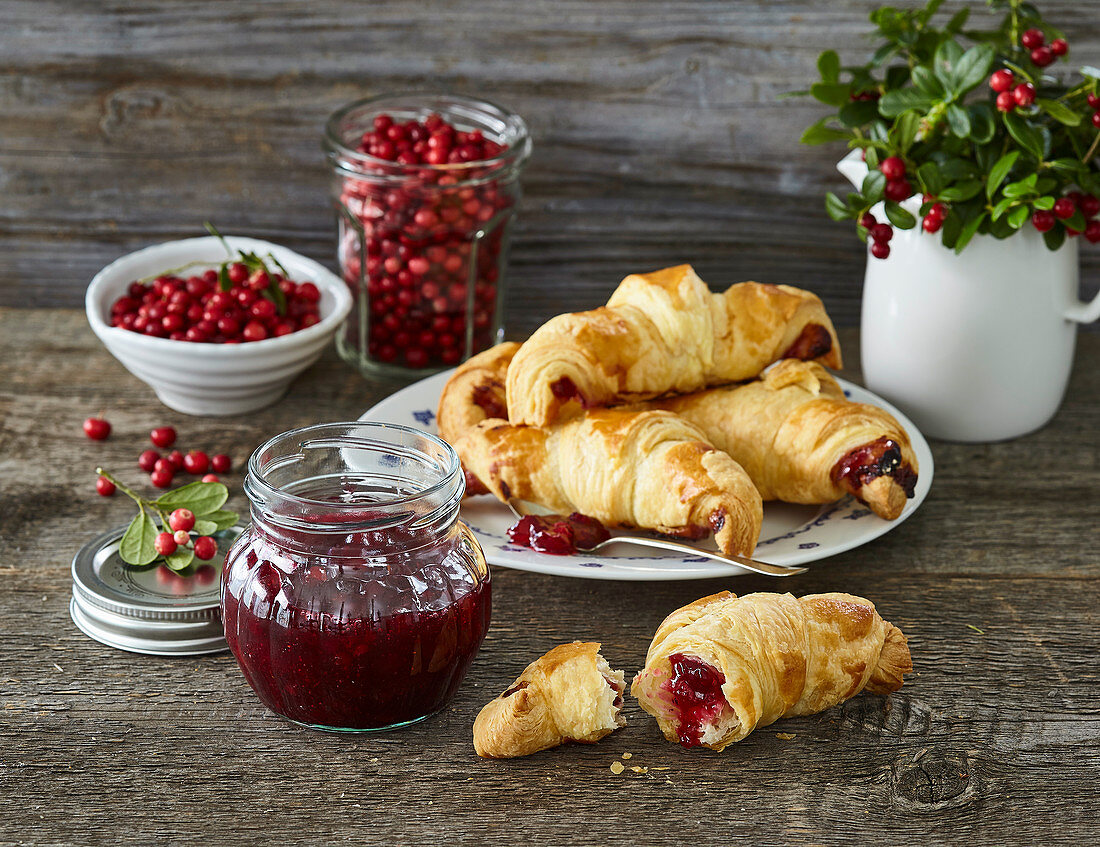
(355, 600)
(426, 189)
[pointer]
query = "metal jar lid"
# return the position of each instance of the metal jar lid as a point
(148, 610)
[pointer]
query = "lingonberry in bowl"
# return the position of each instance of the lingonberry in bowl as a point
(201, 361)
(426, 188)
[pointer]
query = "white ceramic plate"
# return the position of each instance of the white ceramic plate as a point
(791, 534)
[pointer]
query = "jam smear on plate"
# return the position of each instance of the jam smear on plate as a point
(557, 534)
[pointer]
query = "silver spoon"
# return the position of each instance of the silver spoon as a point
(753, 565)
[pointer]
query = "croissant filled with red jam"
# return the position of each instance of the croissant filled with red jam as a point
(724, 665)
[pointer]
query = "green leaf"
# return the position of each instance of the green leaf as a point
(955, 169)
(835, 208)
(204, 526)
(968, 231)
(1003, 206)
(1059, 111)
(830, 94)
(1055, 238)
(1018, 216)
(1024, 133)
(961, 191)
(137, 546)
(202, 498)
(951, 229)
(223, 278)
(999, 172)
(929, 176)
(1066, 165)
(898, 216)
(893, 103)
(959, 120)
(276, 296)
(958, 20)
(828, 65)
(904, 131)
(982, 126)
(1045, 203)
(858, 113)
(821, 134)
(1022, 187)
(1076, 221)
(223, 518)
(927, 82)
(873, 186)
(971, 68)
(180, 559)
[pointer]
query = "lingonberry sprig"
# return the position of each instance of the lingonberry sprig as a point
(188, 517)
(973, 122)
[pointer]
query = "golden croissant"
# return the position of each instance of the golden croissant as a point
(663, 332)
(649, 469)
(724, 665)
(801, 441)
(569, 694)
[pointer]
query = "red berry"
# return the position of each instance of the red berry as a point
(105, 488)
(892, 167)
(196, 462)
(931, 224)
(1094, 101)
(1096, 119)
(938, 210)
(1041, 57)
(182, 519)
(1092, 232)
(1001, 80)
(221, 463)
(1024, 94)
(1064, 208)
(165, 466)
(1043, 220)
(163, 436)
(880, 249)
(882, 232)
(161, 478)
(259, 280)
(176, 460)
(96, 428)
(237, 273)
(1032, 38)
(210, 478)
(254, 331)
(898, 190)
(165, 544)
(1059, 47)
(1005, 101)
(867, 220)
(182, 537)
(205, 547)
(1089, 205)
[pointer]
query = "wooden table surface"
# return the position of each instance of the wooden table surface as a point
(995, 739)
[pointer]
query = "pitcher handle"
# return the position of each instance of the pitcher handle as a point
(1084, 313)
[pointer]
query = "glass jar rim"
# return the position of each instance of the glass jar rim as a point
(515, 153)
(450, 475)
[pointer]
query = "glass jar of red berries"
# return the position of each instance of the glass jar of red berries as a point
(355, 599)
(426, 190)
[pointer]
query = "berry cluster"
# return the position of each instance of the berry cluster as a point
(181, 522)
(431, 251)
(242, 306)
(897, 188)
(1064, 208)
(161, 469)
(1012, 95)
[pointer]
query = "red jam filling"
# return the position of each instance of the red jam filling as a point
(813, 342)
(565, 390)
(489, 398)
(557, 534)
(339, 638)
(866, 463)
(696, 692)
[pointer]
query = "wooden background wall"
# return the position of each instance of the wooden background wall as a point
(659, 131)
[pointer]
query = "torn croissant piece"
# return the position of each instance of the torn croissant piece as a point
(801, 441)
(648, 469)
(569, 694)
(663, 332)
(474, 393)
(724, 665)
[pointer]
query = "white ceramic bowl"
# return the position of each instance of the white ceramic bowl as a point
(214, 379)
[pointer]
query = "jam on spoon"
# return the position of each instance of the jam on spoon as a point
(557, 534)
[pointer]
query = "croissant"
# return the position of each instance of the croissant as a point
(649, 469)
(801, 441)
(569, 694)
(722, 666)
(475, 391)
(663, 332)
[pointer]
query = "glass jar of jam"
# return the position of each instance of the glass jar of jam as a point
(426, 189)
(355, 600)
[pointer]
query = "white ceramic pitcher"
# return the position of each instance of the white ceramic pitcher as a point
(976, 346)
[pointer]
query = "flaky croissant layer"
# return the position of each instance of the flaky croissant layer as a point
(724, 665)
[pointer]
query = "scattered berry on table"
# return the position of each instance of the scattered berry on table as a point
(147, 461)
(221, 463)
(104, 487)
(96, 429)
(163, 436)
(210, 478)
(196, 462)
